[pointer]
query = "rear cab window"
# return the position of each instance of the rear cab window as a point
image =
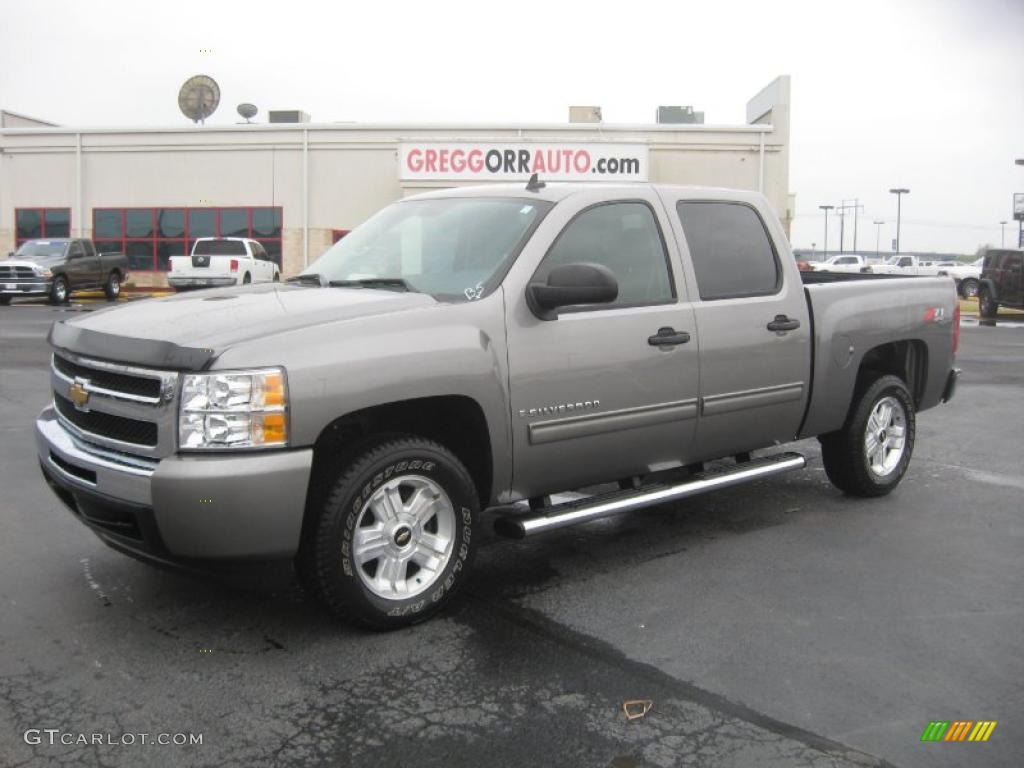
(732, 254)
(219, 248)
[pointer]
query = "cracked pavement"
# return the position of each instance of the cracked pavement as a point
(774, 625)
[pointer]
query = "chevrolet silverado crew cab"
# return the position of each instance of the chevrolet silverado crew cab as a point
(57, 266)
(484, 349)
(221, 261)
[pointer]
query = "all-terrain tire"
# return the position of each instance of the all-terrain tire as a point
(368, 493)
(870, 454)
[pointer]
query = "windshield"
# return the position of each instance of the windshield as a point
(36, 248)
(895, 260)
(456, 249)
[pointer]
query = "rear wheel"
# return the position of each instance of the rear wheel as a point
(987, 306)
(113, 287)
(4, 301)
(969, 288)
(277, 277)
(59, 290)
(394, 536)
(871, 453)
(247, 279)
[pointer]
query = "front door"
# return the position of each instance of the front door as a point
(81, 270)
(753, 325)
(596, 394)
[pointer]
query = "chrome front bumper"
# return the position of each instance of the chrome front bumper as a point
(181, 507)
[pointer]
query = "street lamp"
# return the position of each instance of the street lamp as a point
(824, 250)
(1002, 234)
(899, 192)
(878, 235)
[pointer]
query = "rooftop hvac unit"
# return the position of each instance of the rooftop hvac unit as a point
(679, 115)
(584, 114)
(287, 116)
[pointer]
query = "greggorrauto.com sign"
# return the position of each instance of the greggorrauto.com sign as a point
(476, 161)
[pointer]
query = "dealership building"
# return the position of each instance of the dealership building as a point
(299, 186)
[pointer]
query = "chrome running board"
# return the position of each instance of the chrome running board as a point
(616, 502)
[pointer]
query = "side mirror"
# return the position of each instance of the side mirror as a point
(569, 285)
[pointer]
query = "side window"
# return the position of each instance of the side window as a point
(906, 262)
(90, 249)
(258, 252)
(624, 237)
(75, 250)
(731, 251)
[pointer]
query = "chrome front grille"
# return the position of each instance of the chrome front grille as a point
(113, 407)
(16, 273)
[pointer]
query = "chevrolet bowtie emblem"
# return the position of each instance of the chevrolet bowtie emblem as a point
(79, 393)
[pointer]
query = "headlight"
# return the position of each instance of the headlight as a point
(233, 409)
(42, 271)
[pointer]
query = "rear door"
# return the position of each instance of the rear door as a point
(81, 270)
(752, 325)
(594, 395)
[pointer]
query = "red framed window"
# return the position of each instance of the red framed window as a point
(150, 236)
(34, 223)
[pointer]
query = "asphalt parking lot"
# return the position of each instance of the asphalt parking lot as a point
(778, 624)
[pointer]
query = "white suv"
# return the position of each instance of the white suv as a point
(220, 261)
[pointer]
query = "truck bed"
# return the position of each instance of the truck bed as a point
(850, 318)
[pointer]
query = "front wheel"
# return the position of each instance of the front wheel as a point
(395, 534)
(987, 306)
(59, 290)
(4, 301)
(112, 289)
(871, 453)
(969, 288)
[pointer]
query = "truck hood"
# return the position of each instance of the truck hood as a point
(213, 320)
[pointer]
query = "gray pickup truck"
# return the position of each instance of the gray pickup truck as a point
(56, 266)
(484, 349)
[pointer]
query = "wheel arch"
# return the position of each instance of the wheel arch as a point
(907, 359)
(455, 421)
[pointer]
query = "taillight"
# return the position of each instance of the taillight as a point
(956, 328)
(234, 265)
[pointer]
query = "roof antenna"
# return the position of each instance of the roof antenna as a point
(534, 184)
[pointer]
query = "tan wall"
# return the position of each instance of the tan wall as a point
(352, 169)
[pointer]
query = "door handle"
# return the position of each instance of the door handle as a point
(668, 336)
(783, 323)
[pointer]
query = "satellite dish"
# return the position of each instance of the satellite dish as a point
(199, 97)
(248, 111)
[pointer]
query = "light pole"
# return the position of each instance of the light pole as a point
(824, 248)
(1002, 234)
(899, 192)
(878, 235)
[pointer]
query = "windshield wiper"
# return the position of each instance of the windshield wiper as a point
(310, 278)
(374, 282)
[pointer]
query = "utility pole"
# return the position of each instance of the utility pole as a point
(899, 192)
(826, 209)
(878, 235)
(1002, 234)
(843, 207)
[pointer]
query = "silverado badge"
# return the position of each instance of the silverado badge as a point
(79, 393)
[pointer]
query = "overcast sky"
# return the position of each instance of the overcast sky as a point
(924, 94)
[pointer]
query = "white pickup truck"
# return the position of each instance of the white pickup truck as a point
(843, 262)
(222, 261)
(903, 264)
(967, 277)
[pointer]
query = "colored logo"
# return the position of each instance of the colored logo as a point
(79, 393)
(959, 730)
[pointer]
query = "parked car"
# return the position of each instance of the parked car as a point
(58, 266)
(844, 262)
(967, 276)
(1002, 281)
(903, 264)
(476, 348)
(221, 261)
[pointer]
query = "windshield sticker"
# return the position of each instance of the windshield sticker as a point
(526, 209)
(475, 292)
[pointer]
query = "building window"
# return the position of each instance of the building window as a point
(150, 236)
(33, 223)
